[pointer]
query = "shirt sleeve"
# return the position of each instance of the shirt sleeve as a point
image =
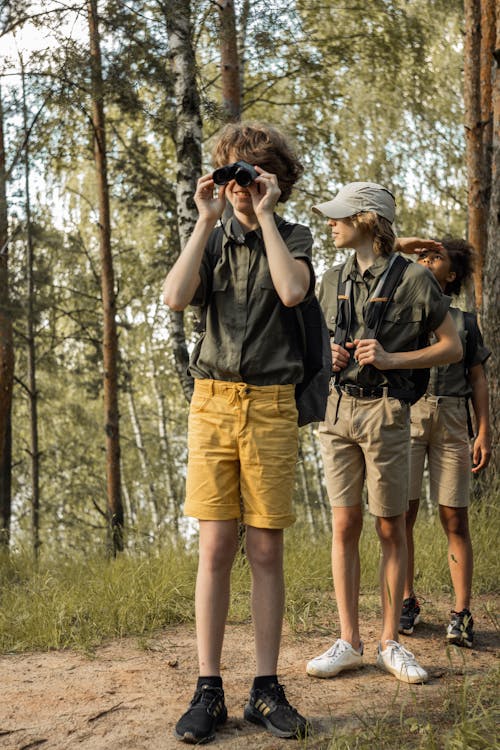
(202, 293)
(481, 353)
(299, 243)
(421, 291)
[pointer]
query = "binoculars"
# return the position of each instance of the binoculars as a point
(243, 173)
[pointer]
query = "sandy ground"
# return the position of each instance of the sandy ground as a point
(129, 694)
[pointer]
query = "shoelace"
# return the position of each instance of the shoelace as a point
(277, 693)
(206, 696)
(402, 655)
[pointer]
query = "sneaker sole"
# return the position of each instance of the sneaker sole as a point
(191, 739)
(454, 640)
(317, 672)
(403, 676)
(251, 714)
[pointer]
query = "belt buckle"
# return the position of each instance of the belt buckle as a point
(354, 390)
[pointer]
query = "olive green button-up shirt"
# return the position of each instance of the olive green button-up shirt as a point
(452, 380)
(248, 334)
(418, 307)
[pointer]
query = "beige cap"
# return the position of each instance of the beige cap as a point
(359, 196)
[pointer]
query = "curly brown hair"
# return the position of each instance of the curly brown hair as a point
(384, 239)
(263, 145)
(461, 255)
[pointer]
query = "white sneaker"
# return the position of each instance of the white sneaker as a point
(340, 657)
(401, 663)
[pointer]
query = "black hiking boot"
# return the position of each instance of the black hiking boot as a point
(206, 711)
(268, 706)
(460, 631)
(410, 615)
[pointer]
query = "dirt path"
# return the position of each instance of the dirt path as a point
(129, 695)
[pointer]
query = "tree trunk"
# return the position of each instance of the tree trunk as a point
(32, 385)
(110, 338)
(477, 99)
(188, 132)
(147, 480)
(230, 63)
(6, 353)
(492, 267)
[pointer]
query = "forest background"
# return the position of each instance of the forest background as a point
(108, 112)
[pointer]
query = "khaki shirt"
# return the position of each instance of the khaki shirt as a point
(452, 380)
(249, 335)
(418, 307)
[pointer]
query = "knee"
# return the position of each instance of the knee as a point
(265, 551)
(347, 528)
(218, 555)
(391, 530)
(456, 523)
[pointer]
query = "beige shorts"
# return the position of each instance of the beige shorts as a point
(243, 443)
(439, 431)
(369, 439)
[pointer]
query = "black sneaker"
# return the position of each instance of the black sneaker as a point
(460, 631)
(410, 615)
(206, 711)
(268, 706)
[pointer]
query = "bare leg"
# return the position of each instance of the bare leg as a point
(265, 555)
(392, 535)
(347, 525)
(218, 544)
(411, 517)
(455, 522)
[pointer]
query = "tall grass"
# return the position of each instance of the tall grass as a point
(78, 603)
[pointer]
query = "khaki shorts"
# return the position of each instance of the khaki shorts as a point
(370, 438)
(243, 443)
(439, 431)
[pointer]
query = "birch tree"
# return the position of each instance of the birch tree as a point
(6, 350)
(188, 135)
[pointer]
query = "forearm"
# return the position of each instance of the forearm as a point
(480, 400)
(441, 353)
(184, 277)
(291, 277)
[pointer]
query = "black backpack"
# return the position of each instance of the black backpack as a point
(311, 333)
(381, 299)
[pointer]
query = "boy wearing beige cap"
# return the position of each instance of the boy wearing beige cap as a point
(366, 432)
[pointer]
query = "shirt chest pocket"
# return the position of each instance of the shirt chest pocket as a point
(401, 326)
(220, 278)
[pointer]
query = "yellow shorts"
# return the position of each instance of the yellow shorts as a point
(242, 443)
(439, 431)
(366, 439)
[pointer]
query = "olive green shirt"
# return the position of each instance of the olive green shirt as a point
(249, 334)
(452, 380)
(418, 307)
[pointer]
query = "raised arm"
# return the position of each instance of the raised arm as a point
(291, 277)
(183, 278)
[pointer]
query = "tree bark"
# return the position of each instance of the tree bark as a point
(110, 338)
(477, 99)
(188, 133)
(230, 63)
(6, 353)
(491, 318)
(31, 334)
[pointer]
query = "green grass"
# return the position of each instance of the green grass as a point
(70, 602)
(80, 602)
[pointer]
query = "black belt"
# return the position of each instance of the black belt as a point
(377, 392)
(358, 392)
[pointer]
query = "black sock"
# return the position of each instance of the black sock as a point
(215, 681)
(264, 681)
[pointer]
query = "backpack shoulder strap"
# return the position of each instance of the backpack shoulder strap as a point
(344, 308)
(383, 294)
(471, 341)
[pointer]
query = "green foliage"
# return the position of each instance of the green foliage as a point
(78, 601)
